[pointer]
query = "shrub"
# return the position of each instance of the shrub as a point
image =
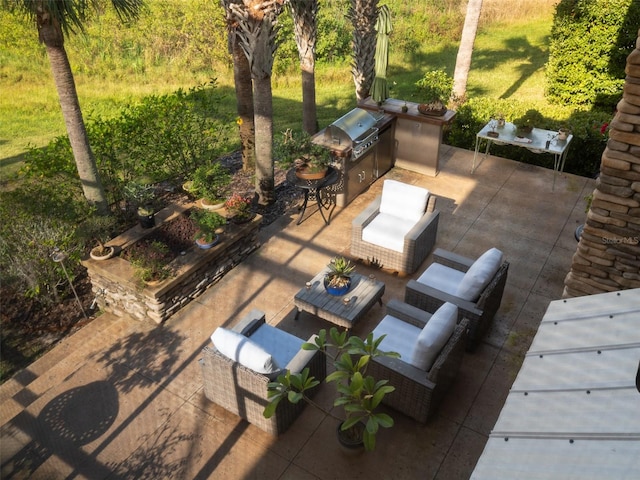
(590, 41)
(27, 241)
(585, 151)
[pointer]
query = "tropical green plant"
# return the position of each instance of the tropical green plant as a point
(359, 394)
(340, 270)
(212, 182)
(54, 21)
(208, 222)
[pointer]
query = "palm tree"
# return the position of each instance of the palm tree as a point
(54, 20)
(244, 100)
(465, 50)
(305, 28)
(256, 28)
(363, 15)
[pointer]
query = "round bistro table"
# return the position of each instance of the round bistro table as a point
(315, 190)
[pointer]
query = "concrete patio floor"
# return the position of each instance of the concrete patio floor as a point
(123, 399)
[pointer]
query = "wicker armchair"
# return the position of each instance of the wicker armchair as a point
(425, 293)
(243, 391)
(413, 243)
(417, 392)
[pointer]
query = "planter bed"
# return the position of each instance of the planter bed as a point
(119, 292)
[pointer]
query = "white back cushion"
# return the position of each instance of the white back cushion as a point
(434, 336)
(479, 275)
(403, 201)
(241, 349)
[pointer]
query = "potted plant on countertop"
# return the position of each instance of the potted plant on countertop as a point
(210, 225)
(142, 195)
(337, 281)
(310, 160)
(531, 119)
(359, 394)
(212, 183)
(434, 89)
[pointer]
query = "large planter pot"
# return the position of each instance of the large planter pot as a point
(350, 440)
(306, 174)
(204, 245)
(337, 291)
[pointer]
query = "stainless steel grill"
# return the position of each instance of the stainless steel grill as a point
(356, 129)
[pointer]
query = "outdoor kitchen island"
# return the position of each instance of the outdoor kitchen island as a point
(417, 136)
(363, 144)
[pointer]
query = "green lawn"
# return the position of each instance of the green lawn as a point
(508, 62)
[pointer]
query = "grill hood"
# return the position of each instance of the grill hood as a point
(350, 127)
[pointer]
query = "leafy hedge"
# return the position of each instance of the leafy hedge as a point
(590, 41)
(588, 128)
(164, 136)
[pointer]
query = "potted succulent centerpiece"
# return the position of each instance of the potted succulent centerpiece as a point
(210, 226)
(358, 393)
(212, 184)
(337, 281)
(310, 160)
(238, 208)
(142, 196)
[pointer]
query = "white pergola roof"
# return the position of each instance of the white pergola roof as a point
(573, 411)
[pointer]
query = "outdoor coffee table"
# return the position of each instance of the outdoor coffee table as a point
(314, 299)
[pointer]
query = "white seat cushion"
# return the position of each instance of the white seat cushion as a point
(403, 201)
(441, 277)
(282, 345)
(241, 349)
(434, 336)
(400, 337)
(479, 275)
(387, 231)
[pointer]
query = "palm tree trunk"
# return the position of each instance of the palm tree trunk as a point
(244, 98)
(51, 35)
(465, 51)
(305, 13)
(263, 107)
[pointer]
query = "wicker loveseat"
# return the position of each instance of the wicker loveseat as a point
(398, 229)
(441, 283)
(243, 390)
(418, 388)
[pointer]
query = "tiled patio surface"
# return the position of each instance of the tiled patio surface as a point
(123, 399)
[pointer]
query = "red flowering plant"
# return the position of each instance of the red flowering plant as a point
(238, 206)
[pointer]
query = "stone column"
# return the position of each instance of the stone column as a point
(608, 254)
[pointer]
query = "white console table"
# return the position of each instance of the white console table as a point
(538, 141)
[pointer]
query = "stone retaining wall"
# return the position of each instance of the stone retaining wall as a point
(608, 254)
(119, 292)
